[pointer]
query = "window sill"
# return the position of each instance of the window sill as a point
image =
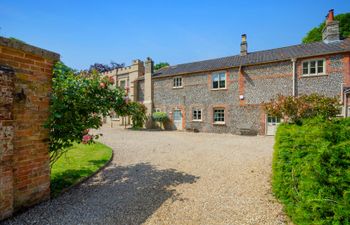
(198, 121)
(178, 87)
(312, 75)
(218, 89)
(219, 123)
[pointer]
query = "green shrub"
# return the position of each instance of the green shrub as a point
(160, 116)
(137, 111)
(294, 109)
(311, 171)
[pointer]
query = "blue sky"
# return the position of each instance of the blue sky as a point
(85, 32)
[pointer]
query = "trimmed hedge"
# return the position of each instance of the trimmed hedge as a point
(311, 171)
(160, 116)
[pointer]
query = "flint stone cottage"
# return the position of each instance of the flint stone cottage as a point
(225, 95)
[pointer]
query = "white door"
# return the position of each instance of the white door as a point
(271, 125)
(178, 119)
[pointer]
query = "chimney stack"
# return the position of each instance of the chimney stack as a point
(330, 32)
(244, 45)
(148, 94)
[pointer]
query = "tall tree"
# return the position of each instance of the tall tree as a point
(160, 65)
(101, 68)
(315, 34)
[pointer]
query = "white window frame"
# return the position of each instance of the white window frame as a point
(176, 82)
(114, 116)
(157, 110)
(218, 74)
(308, 74)
(195, 118)
(218, 122)
(273, 120)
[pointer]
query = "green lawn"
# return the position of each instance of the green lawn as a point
(79, 162)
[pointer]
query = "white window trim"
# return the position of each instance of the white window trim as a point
(217, 73)
(197, 120)
(182, 84)
(308, 67)
(219, 122)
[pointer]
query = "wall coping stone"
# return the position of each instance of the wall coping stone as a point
(29, 48)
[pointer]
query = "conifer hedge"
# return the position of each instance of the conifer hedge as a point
(311, 171)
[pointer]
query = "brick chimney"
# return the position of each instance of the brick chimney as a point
(330, 32)
(244, 45)
(148, 96)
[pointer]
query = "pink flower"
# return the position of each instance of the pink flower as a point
(111, 80)
(102, 85)
(86, 138)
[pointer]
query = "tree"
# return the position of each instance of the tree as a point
(101, 68)
(160, 65)
(79, 103)
(294, 109)
(315, 34)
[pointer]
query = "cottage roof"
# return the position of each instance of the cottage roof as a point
(258, 57)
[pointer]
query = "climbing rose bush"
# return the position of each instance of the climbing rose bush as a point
(294, 109)
(79, 101)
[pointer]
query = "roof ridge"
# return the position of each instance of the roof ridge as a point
(262, 56)
(249, 53)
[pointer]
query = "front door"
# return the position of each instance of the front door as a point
(271, 125)
(178, 119)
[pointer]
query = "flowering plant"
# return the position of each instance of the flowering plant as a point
(79, 102)
(294, 109)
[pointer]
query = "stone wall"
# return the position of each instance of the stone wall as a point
(25, 80)
(197, 93)
(256, 84)
(329, 84)
(6, 139)
(264, 82)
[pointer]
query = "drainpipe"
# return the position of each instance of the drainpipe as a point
(294, 77)
(345, 102)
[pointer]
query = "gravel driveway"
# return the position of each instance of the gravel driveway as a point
(171, 178)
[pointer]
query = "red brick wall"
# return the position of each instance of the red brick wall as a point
(28, 163)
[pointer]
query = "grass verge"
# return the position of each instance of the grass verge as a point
(78, 163)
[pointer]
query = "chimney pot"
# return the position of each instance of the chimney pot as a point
(330, 15)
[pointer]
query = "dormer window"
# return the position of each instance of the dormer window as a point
(314, 67)
(177, 82)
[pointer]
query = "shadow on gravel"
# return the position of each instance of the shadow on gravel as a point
(118, 195)
(137, 191)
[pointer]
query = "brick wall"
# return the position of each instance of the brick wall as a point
(24, 165)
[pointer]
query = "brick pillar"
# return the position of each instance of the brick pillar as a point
(6, 139)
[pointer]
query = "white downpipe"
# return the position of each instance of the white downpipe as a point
(294, 76)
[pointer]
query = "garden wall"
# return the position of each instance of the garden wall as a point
(25, 87)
